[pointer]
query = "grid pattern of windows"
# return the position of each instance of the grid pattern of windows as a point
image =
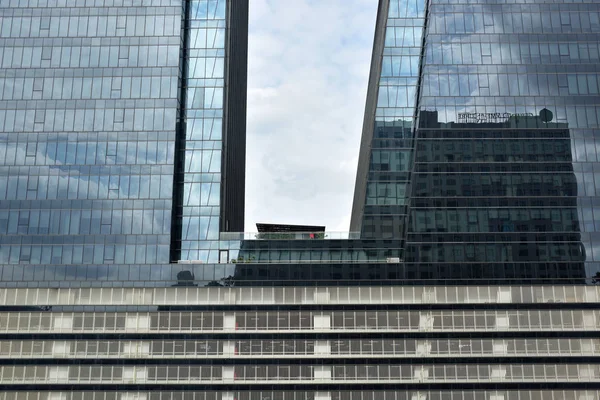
(340, 295)
(502, 154)
(91, 140)
(310, 395)
(439, 373)
(88, 109)
(205, 63)
(290, 348)
(104, 108)
(505, 159)
(391, 145)
(299, 321)
(527, 335)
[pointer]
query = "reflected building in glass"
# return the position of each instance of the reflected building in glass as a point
(494, 196)
(478, 148)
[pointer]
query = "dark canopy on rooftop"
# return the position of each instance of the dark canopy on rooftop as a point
(278, 228)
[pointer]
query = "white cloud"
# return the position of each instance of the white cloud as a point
(308, 69)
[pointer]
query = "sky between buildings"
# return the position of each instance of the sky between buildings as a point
(308, 68)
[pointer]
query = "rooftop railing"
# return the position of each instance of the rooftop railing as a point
(289, 235)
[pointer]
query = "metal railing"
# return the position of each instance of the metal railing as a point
(228, 236)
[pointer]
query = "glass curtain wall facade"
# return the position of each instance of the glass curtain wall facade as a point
(89, 109)
(381, 197)
(500, 178)
(502, 175)
(114, 124)
(202, 124)
(211, 133)
(505, 164)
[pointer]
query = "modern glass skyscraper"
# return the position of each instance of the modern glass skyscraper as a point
(479, 140)
(122, 141)
(470, 278)
(386, 153)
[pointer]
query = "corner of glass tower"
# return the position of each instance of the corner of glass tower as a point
(381, 191)
(478, 148)
(122, 135)
(209, 190)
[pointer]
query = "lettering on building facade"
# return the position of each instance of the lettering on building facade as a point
(489, 117)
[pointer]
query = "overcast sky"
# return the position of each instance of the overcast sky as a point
(308, 69)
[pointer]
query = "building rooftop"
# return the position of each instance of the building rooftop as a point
(284, 228)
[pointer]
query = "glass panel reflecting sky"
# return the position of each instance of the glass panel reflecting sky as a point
(391, 154)
(505, 166)
(204, 130)
(88, 101)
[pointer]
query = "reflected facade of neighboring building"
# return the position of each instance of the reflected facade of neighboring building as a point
(494, 196)
(456, 160)
(480, 158)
